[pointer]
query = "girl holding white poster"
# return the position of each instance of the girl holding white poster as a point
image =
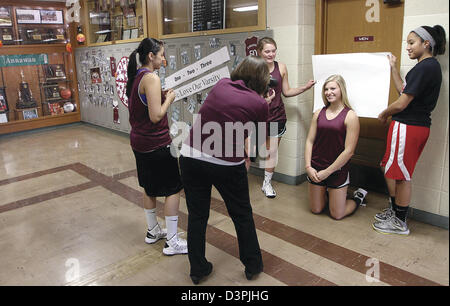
(267, 49)
(330, 144)
(411, 121)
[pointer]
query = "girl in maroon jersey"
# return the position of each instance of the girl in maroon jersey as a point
(157, 169)
(330, 144)
(267, 49)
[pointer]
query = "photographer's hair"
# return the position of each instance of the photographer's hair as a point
(254, 71)
(438, 34)
(146, 46)
(341, 83)
(264, 41)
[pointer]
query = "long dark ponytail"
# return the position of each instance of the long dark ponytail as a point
(146, 46)
(438, 34)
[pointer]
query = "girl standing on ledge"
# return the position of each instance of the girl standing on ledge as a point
(267, 49)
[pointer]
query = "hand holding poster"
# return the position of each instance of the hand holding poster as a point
(367, 76)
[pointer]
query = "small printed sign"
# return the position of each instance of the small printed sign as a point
(363, 38)
(23, 60)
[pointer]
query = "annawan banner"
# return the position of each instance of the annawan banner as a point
(23, 60)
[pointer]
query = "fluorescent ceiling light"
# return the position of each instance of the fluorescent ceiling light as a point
(167, 19)
(246, 8)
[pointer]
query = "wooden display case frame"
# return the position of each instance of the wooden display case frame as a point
(86, 26)
(42, 121)
(155, 26)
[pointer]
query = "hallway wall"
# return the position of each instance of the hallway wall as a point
(430, 181)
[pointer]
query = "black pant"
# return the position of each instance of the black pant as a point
(231, 181)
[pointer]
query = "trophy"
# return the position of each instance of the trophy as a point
(25, 99)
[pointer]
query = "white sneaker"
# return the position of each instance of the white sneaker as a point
(268, 190)
(392, 225)
(175, 245)
(155, 234)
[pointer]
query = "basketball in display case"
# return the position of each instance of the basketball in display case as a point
(68, 107)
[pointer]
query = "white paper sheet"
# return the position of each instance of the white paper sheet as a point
(367, 76)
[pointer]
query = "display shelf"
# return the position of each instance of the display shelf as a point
(110, 22)
(24, 71)
(174, 19)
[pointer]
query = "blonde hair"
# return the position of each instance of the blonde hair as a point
(341, 83)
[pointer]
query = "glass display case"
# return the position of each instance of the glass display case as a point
(25, 25)
(37, 79)
(191, 16)
(43, 88)
(115, 20)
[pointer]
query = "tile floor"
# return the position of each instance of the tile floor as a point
(70, 214)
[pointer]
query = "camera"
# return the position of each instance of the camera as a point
(272, 84)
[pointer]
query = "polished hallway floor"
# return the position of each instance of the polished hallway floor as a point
(70, 215)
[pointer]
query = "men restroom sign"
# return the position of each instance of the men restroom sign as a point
(363, 38)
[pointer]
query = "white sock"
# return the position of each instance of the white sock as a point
(150, 214)
(267, 176)
(172, 226)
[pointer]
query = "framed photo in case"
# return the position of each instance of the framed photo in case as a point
(28, 16)
(51, 17)
(30, 113)
(3, 102)
(5, 16)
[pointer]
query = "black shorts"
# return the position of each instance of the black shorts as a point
(279, 131)
(336, 180)
(158, 172)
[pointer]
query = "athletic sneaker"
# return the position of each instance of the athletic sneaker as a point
(386, 214)
(360, 194)
(155, 234)
(175, 245)
(392, 225)
(268, 190)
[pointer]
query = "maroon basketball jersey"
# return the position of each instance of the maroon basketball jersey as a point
(276, 107)
(145, 135)
(330, 140)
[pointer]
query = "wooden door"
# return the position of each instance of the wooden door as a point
(350, 26)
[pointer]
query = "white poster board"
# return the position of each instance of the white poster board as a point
(367, 76)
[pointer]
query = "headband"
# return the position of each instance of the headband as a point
(422, 33)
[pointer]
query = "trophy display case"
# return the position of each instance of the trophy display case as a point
(32, 25)
(114, 21)
(36, 91)
(37, 79)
